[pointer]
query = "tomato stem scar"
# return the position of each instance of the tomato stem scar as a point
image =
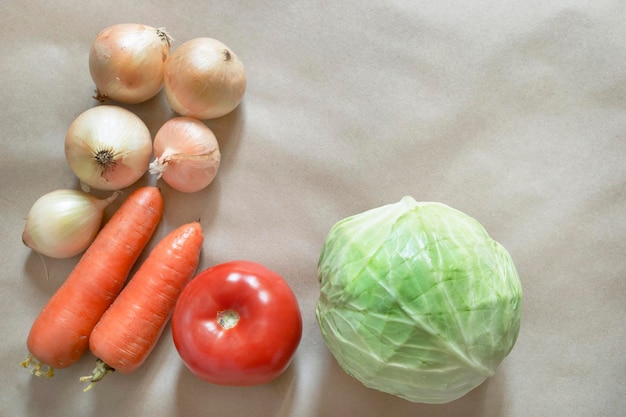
(227, 318)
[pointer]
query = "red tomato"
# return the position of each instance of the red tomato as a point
(237, 323)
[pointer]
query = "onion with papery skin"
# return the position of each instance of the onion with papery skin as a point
(63, 223)
(187, 154)
(127, 62)
(108, 148)
(204, 79)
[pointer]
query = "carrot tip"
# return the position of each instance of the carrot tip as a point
(37, 368)
(100, 371)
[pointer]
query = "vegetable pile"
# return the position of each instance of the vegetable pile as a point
(417, 300)
(60, 335)
(109, 148)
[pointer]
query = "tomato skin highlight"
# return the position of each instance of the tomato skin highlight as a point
(264, 338)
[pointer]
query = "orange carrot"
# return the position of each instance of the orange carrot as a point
(60, 334)
(131, 327)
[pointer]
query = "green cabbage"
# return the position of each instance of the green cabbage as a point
(417, 300)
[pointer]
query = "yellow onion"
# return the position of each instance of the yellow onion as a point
(63, 223)
(204, 79)
(108, 148)
(127, 61)
(187, 154)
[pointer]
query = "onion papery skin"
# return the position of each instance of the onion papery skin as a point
(204, 79)
(187, 154)
(127, 62)
(113, 129)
